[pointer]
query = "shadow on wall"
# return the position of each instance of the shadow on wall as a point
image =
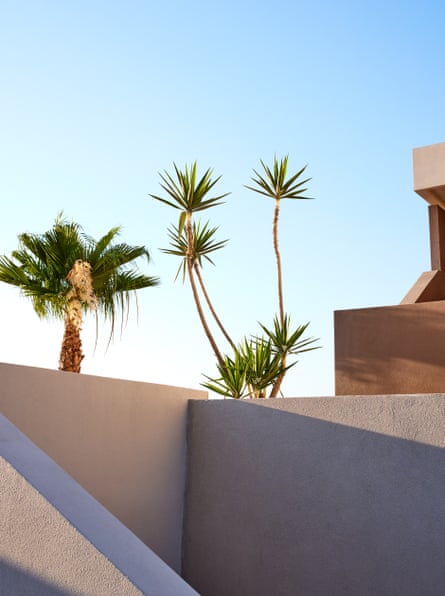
(25, 582)
(397, 349)
(284, 504)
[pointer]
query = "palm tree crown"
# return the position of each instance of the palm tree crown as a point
(66, 273)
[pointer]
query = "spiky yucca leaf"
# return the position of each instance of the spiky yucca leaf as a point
(274, 183)
(285, 341)
(254, 367)
(203, 245)
(186, 192)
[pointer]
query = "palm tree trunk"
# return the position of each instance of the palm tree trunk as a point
(210, 305)
(81, 292)
(195, 291)
(71, 352)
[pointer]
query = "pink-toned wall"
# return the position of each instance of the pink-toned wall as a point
(124, 442)
(390, 350)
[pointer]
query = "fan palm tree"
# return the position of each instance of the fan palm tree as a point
(189, 195)
(65, 273)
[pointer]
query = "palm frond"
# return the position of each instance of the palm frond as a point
(40, 265)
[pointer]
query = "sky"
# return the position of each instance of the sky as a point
(98, 97)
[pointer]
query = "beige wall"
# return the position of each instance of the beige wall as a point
(316, 497)
(56, 539)
(123, 441)
(392, 349)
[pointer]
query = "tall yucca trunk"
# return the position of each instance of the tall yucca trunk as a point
(189, 259)
(277, 384)
(278, 259)
(81, 292)
(211, 307)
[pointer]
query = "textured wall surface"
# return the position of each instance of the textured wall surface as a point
(124, 442)
(391, 349)
(56, 539)
(316, 497)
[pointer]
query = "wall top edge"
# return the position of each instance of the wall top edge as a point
(419, 305)
(75, 377)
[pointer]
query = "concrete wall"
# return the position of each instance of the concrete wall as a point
(317, 496)
(56, 539)
(124, 442)
(392, 349)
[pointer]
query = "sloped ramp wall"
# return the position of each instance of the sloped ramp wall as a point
(329, 496)
(56, 539)
(123, 441)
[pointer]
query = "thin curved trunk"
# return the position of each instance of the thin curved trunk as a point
(277, 384)
(210, 305)
(195, 291)
(278, 258)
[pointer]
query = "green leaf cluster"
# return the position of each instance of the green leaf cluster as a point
(274, 184)
(202, 246)
(188, 193)
(257, 364)
(40, 265)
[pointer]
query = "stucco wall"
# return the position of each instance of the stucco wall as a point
(391, 349)
(56, 539)
(124, 442)
(317, 496)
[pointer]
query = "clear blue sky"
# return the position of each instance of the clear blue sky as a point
(97, 97)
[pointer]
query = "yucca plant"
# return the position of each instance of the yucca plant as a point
(285, 343)
(275, 185)
(232, 379)
(190, 194)
(258, 364)
(203, 244)
(252, 369)
(65, 273)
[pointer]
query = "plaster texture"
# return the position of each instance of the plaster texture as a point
(124, 442)
(56, 539)
(316, 496)
(392, 349)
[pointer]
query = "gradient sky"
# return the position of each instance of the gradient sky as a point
(97, 97)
